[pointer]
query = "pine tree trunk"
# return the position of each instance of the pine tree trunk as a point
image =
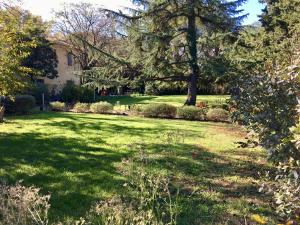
(2, 109)
(192, 91)
(192, 46)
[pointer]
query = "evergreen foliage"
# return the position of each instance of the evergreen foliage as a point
(42, 59)
(170, 41)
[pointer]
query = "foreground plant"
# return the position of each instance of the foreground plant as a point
(151, 199)
(285, 189)
(20, 205)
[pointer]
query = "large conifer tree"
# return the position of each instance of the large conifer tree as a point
(168, 33)
(162, 37)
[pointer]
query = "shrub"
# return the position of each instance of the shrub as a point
(160, 110)
(38, 90)
(223, 105)
(73, 93)
(69, 93)
(284, 188)
(81, 107)
(136, 109)
(58, 106)
(86, 94)
(217, 114)
(24, 104)
(101, 107)
(190, 113)
(268, 106)
(23, 205)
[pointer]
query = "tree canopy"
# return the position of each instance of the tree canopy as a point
(81, 25)
(14, 48)
(42, 59)
(165, 41)
(25, 51)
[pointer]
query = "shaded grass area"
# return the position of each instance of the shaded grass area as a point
(177, 100)
(75, 158)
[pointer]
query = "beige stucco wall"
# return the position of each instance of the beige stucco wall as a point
(65, 72)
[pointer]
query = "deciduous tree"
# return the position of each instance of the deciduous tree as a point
(15, 47)
(81, 25)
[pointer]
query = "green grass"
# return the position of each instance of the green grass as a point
(177, 100)
(75, 157)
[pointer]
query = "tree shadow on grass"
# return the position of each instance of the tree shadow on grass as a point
(127, 129)
(212, 181)
(74, 173)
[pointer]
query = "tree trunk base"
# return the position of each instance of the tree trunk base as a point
(2, 109)
(192, 91)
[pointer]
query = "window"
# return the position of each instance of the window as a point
(70, 59)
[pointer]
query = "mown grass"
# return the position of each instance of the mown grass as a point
(177, 100)
(75, 157)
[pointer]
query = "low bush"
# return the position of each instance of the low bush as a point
(23, 205)
(58, 106)
(223, 105)
(190, 113)
(24, 104)
(136, 109)
(159, 110)
(81, 107)
(217, 114)
(101, 107)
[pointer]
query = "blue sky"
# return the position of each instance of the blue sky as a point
(44, 8)
(253, 7)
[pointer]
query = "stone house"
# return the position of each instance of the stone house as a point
(66, 68)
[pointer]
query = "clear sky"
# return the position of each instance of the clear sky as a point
(44, 8)
(253, 7)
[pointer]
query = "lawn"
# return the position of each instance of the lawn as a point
(177, 100)
(75, 157)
